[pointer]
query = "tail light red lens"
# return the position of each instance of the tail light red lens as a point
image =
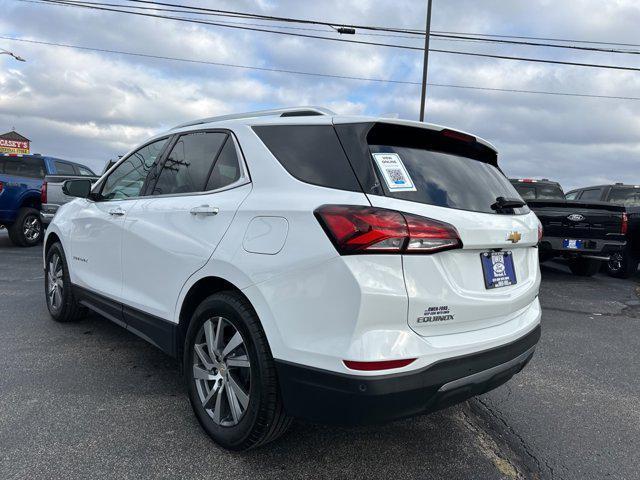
(625, 223)
(381, 365)
(43, 193)
(357, 229)
(1, 187)
(540, 231)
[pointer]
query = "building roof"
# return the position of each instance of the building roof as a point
(13, 135)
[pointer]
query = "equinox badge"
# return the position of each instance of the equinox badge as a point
(514, 237)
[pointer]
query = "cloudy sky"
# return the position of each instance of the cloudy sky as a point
(90, 106)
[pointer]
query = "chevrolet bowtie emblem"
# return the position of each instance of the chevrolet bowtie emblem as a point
(514, 237)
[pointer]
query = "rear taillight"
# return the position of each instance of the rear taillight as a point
(356, 229)
(540, 231)
(43, 193)
(1, 187)
(625, 223)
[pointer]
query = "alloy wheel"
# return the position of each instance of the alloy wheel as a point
(615, 262)
(31, 228)
(55, 284)
(222, 371)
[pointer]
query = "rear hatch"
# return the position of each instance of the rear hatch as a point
(576, 219)
(452, 177)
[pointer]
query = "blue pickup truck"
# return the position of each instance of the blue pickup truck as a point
(21, 178)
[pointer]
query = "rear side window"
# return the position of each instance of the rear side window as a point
(27, 167)
(63, 168)
(310, 153)
(628, 196)
(189, 164)
(444, 179)
(226, 169)
(591, 194)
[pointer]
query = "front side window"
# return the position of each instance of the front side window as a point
(628, 196)
(189, 164)
(127, 179)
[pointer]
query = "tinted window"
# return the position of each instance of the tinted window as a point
(572, 195)
(84, 171)
(629, 196)
(443, 179)
(549, 192)
(527, 192)
(226, 169)
(311, 153)
(189, 163)
(593, 194)
(127, 179)
(63, 168)
(23, 167)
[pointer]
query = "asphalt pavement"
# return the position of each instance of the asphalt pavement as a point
(92, 400)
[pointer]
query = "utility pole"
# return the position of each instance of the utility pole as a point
(423, 97)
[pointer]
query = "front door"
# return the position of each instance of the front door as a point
(96, 236)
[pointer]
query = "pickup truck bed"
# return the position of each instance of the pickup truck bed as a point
(53, 196)
(579, 230)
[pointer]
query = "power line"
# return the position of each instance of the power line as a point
(314, 74)
(360, 42)
(408, 33)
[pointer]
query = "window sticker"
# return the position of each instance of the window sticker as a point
(394, 172)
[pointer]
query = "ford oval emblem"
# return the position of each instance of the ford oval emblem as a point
(576, 217)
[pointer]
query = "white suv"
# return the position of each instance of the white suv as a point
(303, 264)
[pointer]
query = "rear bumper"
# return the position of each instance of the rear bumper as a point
(47, 212)
(594, 248)
(329, 397)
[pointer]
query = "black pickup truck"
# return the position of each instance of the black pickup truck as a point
(622, 264)
(586, 233)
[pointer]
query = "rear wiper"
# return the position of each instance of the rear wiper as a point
(503, 203)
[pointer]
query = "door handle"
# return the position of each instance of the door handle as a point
(204, 210)
(117, 212)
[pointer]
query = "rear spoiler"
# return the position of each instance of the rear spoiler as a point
(555, 203)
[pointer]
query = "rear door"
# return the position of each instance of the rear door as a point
(174, 229)
(452, 178)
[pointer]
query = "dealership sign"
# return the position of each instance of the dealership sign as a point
(13, 142)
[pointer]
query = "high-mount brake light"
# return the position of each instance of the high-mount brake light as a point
(527, 180)
(458, 135)
(625, 223)
(380, 365)
(357, 229)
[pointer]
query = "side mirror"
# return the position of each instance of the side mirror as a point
(77, 188)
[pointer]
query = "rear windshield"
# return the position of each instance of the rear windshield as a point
(441, 179)
(530, 191)
(28, 167)
(628, 196)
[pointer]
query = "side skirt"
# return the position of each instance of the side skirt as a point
(155, 330)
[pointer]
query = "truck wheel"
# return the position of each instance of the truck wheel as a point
(584, 267)
(230, 374)
(27, 229)
(61, 303)
(622, 264)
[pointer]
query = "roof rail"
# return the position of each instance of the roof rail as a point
(279, 112)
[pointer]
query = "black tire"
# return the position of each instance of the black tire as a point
(62, 307)
(584, 267)
(263, 419)
(27, 230)
(623, 264)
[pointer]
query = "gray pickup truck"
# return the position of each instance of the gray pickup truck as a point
(52, 194)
